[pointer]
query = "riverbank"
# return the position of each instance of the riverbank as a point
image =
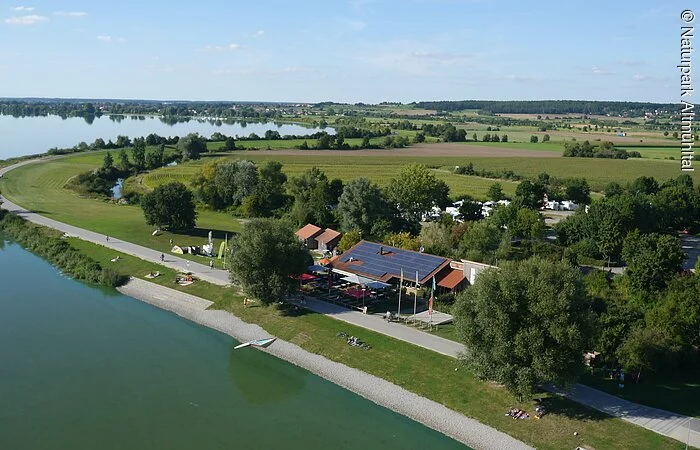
(418, 370)
(379, 391)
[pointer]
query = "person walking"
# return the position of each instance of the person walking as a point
(107, 237)
(162, 257)
(211, 264)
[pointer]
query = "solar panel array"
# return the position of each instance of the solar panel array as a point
(379, 265)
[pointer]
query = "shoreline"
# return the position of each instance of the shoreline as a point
(379, 391)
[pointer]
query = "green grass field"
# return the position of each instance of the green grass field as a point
(418, 370)
(40, 187)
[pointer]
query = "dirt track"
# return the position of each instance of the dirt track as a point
(440, 149)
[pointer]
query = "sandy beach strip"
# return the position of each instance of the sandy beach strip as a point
(377, 390)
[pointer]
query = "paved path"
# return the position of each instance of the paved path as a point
(679, 427)
(202, 271)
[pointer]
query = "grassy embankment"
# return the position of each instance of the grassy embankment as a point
(40, 187)
(421, 371)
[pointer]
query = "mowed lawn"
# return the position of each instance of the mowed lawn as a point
(41, 188)
(379, 169)
(416, 369)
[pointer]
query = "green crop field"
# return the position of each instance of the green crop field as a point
(379, 169)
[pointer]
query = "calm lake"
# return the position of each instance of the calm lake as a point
(30, 135)
(86, 368)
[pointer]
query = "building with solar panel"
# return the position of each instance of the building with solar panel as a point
(385, 264)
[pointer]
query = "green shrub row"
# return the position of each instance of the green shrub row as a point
(49, 245)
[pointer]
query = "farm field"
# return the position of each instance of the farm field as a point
(380, 166)
(379, 169)
(40, 187)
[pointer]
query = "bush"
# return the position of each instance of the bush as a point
(49, 245)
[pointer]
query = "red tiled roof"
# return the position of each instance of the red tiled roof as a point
(308, 231)
(452, 279)
(327, 236)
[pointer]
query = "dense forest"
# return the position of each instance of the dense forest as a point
(550, 107)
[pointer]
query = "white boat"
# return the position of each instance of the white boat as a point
(264, 343)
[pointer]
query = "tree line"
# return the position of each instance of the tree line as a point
(550, 106)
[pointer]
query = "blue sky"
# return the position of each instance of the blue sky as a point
(345, 50)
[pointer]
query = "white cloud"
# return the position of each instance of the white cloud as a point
(219, 48)
(595, 70)
(105, 38)
(640, 77)
(26, 20)
(515, 77)
(23, 8)
(71, 13)
(259, 33)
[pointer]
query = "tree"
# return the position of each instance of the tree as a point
(530, 194)
(235, 180)
(269, 193)
(525, 325)
(678, 313)
(155, 158)
(436, 239)
(504, 138)
(191, 146)
(229, 144)
(577, 190)
(402, 240)
(545, 138)
(265, 259)
(470, 210)
(170, 205)
(123, 141)
(204, 185)
(644, 185)
(416, 190)
(98, 144)
(643, 348)
(613, 189)
(349, 239)
(534, 139)
(527, 224)
(480, 241)
(652, 260)
(139, 154)
(312, 198)
(108, 162)
(361, 205)
(495, 192)
(678, 207)
(124, 164)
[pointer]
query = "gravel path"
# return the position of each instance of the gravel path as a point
(379, 391)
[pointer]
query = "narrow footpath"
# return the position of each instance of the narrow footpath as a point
(683, 428)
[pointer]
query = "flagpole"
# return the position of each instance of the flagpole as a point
(415, 298)
(225, 249)
(398, 311)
